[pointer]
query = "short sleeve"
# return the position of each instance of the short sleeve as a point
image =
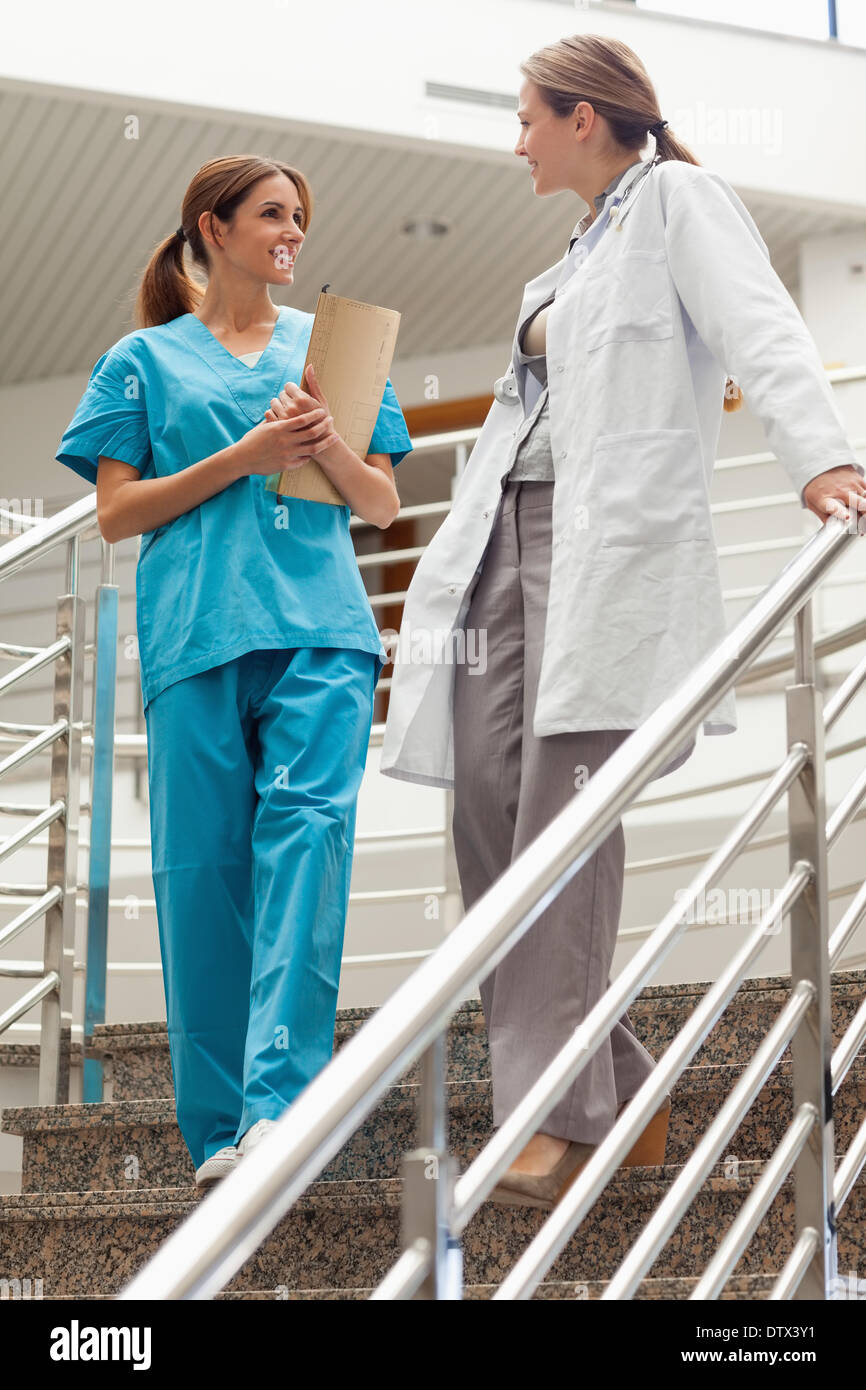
(110, 420)
(390, 435)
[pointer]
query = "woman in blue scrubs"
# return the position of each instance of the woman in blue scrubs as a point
(258, 647)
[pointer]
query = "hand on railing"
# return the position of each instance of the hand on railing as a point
(833, 492)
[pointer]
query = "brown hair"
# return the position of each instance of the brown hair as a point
(167, 289)
(610, 76)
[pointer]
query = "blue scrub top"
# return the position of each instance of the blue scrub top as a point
(247, 568)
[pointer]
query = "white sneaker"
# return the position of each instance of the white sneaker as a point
(254, 1135)
(216, 1166)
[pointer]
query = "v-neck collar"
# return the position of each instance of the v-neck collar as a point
(250, 385)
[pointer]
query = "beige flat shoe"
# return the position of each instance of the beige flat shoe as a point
(543, 1189)
(649, 1147)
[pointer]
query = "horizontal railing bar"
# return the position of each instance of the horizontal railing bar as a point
(761, 547)
(36, 745)
(385, 895)
(233, 1220)
(24, 730)
(696, 856)
(135, 745)
(795, 1266)
(479, 1178)
(668, 1214)
(77, 1028)
(362, 837)
(26, 833)
(633, 866)
(22, 808)
(20, 518)
(827, 645)
(844, 695)
(12, 649)
(52, 531)
(30, 915)
(154, 967)
(580, 1197)
(390, 557)
(848, 1048)
(26, 1002)
(756, 1205)
(745, 591)
(847, 925)
(388, 957)
(758, 504)
(731, 783)
(847, 810)
(636, 933)
(398, 895)
(415, 512)
(35, 663)
(849, 1169)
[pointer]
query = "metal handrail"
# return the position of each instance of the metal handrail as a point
(78, 522)
(55, 901)
(231, 1222)
(136, 746)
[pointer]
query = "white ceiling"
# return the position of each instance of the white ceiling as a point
(83, 207)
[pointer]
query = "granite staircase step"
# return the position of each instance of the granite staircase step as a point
(752, 1287)
(137, 1064)
(122, 1146)
(104, 1185)
(346, 1235)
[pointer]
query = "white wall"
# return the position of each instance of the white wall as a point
(769, 112)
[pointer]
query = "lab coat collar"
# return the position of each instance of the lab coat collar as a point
(616, 188)
(546, 285)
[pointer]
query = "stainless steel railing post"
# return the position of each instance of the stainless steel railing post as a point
(101, 788)
(62, 871)
(429, 1173)
(811, 1045)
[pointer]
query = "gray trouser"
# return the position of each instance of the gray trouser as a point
(508, 785)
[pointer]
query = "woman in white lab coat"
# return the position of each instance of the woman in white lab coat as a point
(580, 547)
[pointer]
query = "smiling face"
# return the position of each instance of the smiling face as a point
(555, 147)
(265, 236)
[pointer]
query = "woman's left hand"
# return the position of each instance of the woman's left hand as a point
(293, 400)
(828, 494)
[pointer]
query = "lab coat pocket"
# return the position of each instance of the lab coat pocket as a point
(626, 299)
(647, 488)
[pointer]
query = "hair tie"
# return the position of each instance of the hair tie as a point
(657, 129)
(181, 233)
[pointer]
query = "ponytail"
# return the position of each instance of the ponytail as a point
(166, 290)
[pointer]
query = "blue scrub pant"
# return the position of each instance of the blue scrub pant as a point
(254, 768)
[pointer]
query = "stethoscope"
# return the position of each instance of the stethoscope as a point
(618, 203)
(505, 387)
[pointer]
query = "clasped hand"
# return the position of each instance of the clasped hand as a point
(297, 426)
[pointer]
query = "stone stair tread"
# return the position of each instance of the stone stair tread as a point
(26, 1119)
(670, 1288)
(765, 984)
(346, 1233)
(384, 1191)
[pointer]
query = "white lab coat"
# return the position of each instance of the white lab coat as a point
(639, 343)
